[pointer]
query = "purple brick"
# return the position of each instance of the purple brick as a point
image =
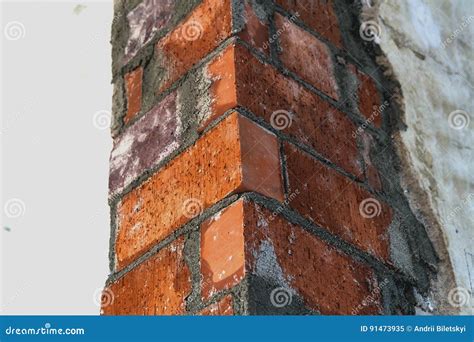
(144, 144)
(144, 20)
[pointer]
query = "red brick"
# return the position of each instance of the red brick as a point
(314, 122)
(306, 56)
(255, 30)
(242, 236)
(240, 79)
(327, 280)
(158, 286)
(221, 308)
(219, 164)
(318, 15)
(334, 202)
(133, 88)
(369, 100)
(222, 250)
(200, 33)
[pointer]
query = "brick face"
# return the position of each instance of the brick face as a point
(146, 143)
(318, 15)
(158, 286)
(198, 178)
(297, 48)
(336, 203)
(328, 281)
(222, 268)
(133, 82)
(221, 308)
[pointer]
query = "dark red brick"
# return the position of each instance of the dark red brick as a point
(306, 56)
(319, 15)
(338, 204)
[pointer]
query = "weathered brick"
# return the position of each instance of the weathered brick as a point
(221, 308)
(338, 204)
(368, 97)
(318, 15)
(158, 286)
(133, 89)
(371, 172)
(285, 254)
(145, 143)
(255, 28)
(235, 156)
(306, 56)
(261, 244)
(310, 119)
(222, 268)
(240, 79)
(144, 21)
(201, 32)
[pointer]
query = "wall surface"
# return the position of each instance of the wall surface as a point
(429, 47)
(253, 137)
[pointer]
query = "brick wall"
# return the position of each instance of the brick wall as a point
(252, 170)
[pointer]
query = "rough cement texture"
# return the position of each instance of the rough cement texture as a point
(427, 47)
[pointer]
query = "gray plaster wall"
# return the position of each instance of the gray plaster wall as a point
(428, 48)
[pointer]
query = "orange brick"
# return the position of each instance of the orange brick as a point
(318, 15)
(158, 286)
(133, 87)
(222, 162)
(221, 308)
(222, 250)
(306, 56)
(245, 236)
(201, 32)
(338, 204)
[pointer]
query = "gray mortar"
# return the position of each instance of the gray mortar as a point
(407, 233)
